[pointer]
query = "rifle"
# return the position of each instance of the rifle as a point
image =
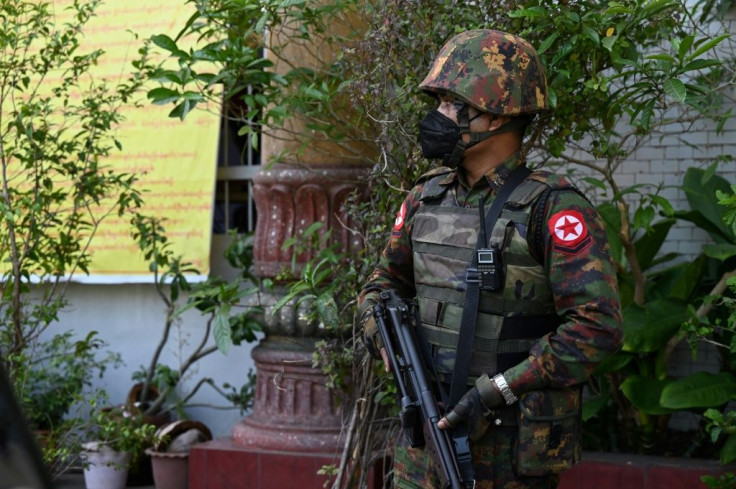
(419, 407)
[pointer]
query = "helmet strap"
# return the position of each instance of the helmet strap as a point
(454, 159)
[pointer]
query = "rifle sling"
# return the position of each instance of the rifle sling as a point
(472, 291)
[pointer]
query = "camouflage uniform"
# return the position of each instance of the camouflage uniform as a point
(557, 262)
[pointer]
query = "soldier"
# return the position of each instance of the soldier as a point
(550, 312)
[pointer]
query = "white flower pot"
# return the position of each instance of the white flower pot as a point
(104, 467)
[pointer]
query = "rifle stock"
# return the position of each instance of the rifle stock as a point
(419, 407)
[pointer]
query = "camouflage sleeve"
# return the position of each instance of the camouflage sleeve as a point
(583, 280)
(395, 269)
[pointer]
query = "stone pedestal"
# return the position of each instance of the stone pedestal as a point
(293, 409)
(296, 423)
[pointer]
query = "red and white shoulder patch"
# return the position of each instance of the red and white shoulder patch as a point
(399, 222)
(568, 231)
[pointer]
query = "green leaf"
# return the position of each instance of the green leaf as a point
(182, 109)
(649, 327)
(530, 13)
(591, 34)
(163, 95)
(701, 195)
(612, 219)
(675, 89)
(661, 57)
(728, 451)
(165, 42)
(653, 8)
(707, 45)
(700, 64)
(708, 173)
(720, 252)
(593, 406)
(327, 310)
(698, 219)
(613, 363)
(646, 114)
(648, 246)
(192, 96)
(596, 182)
(700, 390)
(188, 24)
(645, 393)
(615, 8)
(684, 46)
(221, 329)
(547, 43)
(609, 42)
(643, 216)
(566, 49)
(682, 280)
(312, 229)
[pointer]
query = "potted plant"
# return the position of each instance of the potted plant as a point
(116, 437)
(56, 194)
(170, 452)
(51, 380)
(230, 311)
(160, 392)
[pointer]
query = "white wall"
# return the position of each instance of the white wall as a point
(130, 318)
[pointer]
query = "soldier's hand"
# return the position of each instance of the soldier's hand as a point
(474, 408)
(471, 412)
(386, 363)
(373, 341)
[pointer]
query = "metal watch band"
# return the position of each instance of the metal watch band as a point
(508, 396)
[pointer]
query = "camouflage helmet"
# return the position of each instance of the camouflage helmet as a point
(493, 71)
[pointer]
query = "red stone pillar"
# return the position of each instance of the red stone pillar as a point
(293, 409)
(296, 422)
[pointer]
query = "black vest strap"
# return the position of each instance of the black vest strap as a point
(472, 291)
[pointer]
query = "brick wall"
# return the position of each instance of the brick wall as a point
(664, 160)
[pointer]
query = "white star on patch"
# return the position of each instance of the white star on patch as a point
(568, 228)
(568, 231)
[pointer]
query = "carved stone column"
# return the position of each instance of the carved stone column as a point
(291, 198)
(293, 410)
(294, 428)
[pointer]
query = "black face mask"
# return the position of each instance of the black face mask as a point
(438, 135)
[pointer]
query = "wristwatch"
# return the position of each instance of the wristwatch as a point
(508, 396)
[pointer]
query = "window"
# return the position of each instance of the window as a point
(237, 164)
(234, 207)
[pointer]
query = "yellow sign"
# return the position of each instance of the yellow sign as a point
(177, 159)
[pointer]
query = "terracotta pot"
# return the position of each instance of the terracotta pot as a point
(170, 469)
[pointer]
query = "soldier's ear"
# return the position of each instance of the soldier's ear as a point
(496, 121)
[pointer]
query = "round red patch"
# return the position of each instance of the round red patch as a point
(399, 222)
(567, 228)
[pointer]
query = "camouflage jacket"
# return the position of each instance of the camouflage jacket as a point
(576, 261)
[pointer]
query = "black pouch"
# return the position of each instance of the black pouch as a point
(550, 431)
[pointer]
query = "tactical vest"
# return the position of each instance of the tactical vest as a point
(510, 320)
